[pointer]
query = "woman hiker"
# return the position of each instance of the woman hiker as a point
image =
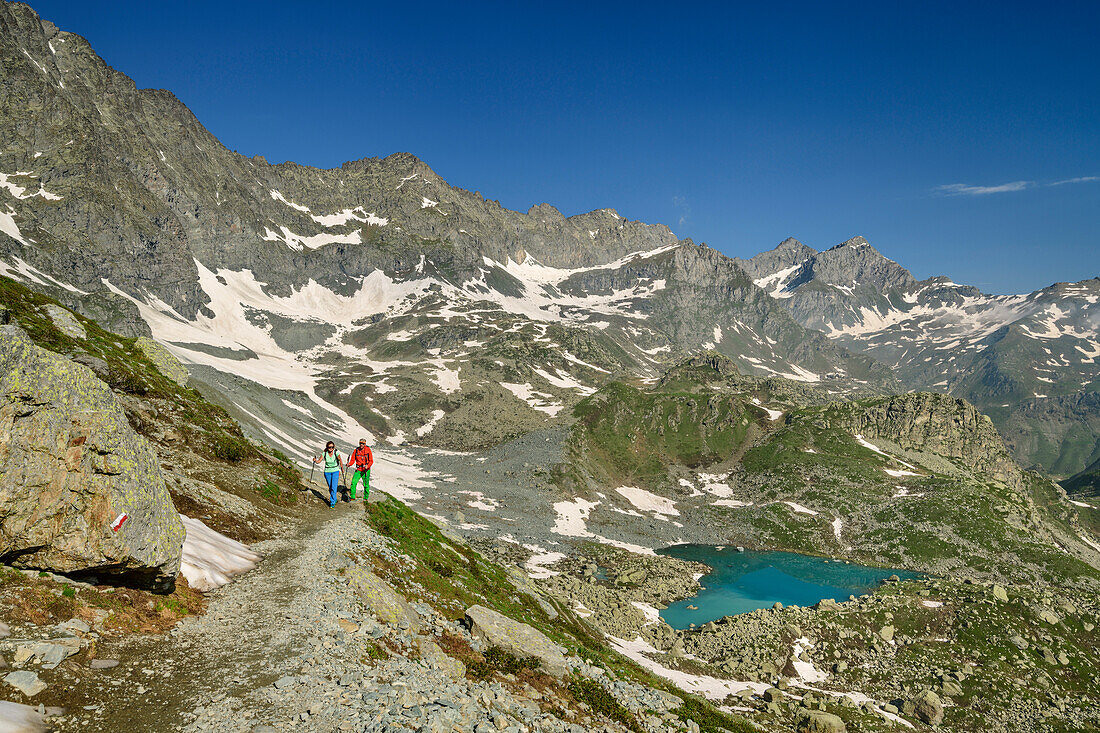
(334, 464)
(361, 459)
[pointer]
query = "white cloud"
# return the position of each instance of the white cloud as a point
(1080, 179)
(965, 189)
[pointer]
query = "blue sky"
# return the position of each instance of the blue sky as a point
(959, 138)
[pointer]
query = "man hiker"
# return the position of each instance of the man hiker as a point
(361, 459)
(334, 464)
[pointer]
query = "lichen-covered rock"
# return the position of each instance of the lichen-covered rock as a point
(66, 322)
(385, 603)
(518, 638)
(817, 721)
(928, 707)
(168, 365)
(70, 467)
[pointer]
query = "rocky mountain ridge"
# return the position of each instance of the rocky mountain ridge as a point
(1029, 361)
(119, 202)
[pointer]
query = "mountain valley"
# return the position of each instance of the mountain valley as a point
(551, 400)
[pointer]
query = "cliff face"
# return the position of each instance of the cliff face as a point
(932, 423)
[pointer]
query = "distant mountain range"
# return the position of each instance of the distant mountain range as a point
(377, 297)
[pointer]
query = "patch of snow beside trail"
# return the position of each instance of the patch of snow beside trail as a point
(18, 718)
(1090, 543)
(313, 241)
(571, 517)
(714, 483)
(21, 270)
(563, 380)
(876, 449)
(8, 226)
(709, 687)
(277, 196)
(648, 501)
(480, 501)
(807, 674)
(210, 559)
(1081, 503)
(838, 524)
(652, 615)
(446, 378)
(19, 192)
(806, 671)
(801, 509)
(902, 491)
(931, 604)
(773, 415)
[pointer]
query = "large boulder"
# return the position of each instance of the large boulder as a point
(168, 365)
(385, 603)
(928, 707)
(70, 468)
(517, 638)
(818, 721)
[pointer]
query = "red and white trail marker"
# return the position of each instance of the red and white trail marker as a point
(119, 520)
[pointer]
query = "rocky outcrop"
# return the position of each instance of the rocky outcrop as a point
(517, 638)
(931, 423)
(80, 491)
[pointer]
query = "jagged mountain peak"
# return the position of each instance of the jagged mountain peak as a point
(785, 255)
(854, 263)
(857, 241)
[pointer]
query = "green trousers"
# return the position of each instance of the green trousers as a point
(365, 475)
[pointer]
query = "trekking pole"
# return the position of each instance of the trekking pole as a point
(311, 470)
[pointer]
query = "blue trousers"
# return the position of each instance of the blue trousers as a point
(333, 478)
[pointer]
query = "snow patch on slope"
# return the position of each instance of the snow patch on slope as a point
(210, 559)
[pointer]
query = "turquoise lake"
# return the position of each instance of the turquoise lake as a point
(740, 582)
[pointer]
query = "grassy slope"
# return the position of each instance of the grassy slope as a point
(627, 436)
(451, 577)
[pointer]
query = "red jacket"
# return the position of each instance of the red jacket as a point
(361, 458)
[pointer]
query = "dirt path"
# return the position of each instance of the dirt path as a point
(250, 628)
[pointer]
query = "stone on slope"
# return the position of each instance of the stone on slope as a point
(163, 360)
(18, 718)
(817, 721)
(66, 322)
(517, 638)
(436, 658)
(26, 682)
(385, 603)
(79, 489)
(928, 707)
